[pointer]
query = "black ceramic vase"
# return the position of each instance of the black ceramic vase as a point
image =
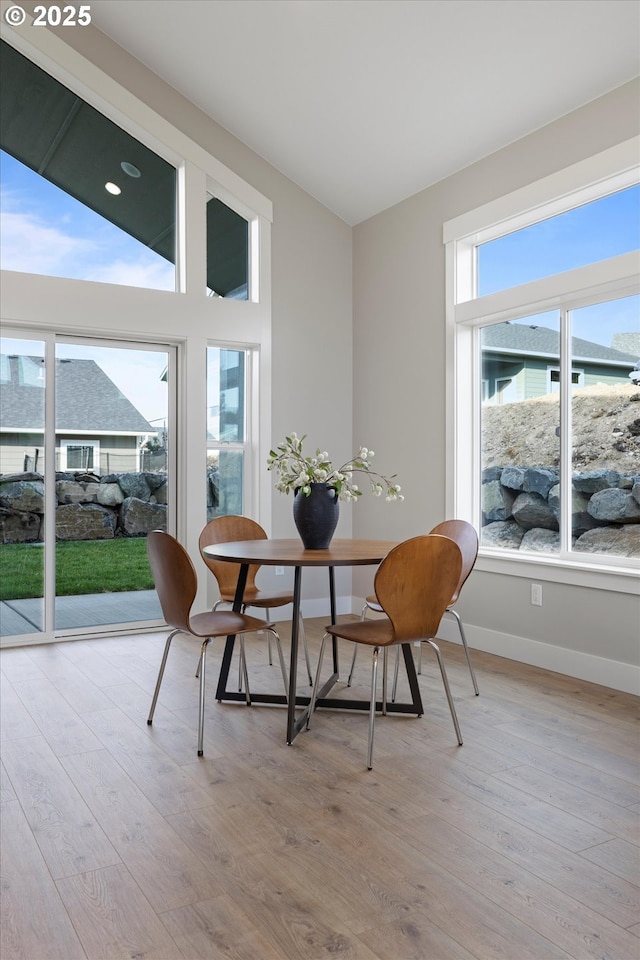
(316, 516)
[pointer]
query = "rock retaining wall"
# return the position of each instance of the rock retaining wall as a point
(521, 506)
(88, 507)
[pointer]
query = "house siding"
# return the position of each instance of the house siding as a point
(25, 451)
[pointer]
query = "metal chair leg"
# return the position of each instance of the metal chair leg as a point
(203, 663)
(316, 685)
(385, 661)
(452, 708)
(269, 654)
(372, 707)
(353, 664)
(283, 668)
(394, 688)
(243, 668)
(355, 648)
(160, 676)
(213, 610)
(466, 650)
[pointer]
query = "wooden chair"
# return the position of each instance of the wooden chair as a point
(412, 613)
(176, 584)
(464, 534)
(226, 530)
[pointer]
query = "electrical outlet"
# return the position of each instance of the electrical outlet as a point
(536, 594)
(279, 571)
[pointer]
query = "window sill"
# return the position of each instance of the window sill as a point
(618, 579)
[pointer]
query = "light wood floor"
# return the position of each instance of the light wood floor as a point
(118, 842)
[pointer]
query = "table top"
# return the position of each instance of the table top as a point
(291, 553)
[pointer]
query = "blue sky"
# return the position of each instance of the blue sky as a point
(596, 231)
(46, 231)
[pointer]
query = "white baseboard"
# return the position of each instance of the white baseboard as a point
(572, 663)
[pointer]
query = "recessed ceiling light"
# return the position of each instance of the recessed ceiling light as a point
(113, 188)
(130, 169)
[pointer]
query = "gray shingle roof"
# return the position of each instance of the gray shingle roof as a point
(528, 339)
(86, 398)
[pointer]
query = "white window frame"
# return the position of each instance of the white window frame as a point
(466, 313)
(80, 442)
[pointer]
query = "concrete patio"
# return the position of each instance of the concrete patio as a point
(19, 617)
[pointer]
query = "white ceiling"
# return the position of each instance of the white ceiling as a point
(365, 102)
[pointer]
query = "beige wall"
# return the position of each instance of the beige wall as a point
(366, 364)
(399, 375)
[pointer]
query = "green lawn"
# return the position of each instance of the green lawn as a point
(82, 566)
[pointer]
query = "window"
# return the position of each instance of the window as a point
(561, 242)
(544, 325)
(577, 379)
(81, 198)
(227, 431)
(80, 456)
(227, 251)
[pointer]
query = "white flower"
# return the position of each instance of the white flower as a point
(297, 472)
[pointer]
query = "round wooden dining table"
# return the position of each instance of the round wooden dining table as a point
(291, 553)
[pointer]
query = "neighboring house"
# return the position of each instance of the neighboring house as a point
(97, 428)
(520, 361)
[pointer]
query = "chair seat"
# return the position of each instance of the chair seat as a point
(372, 602)
(375, 633)
(253, 597)
(223, 623)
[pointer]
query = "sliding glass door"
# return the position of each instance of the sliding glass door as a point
(86, 471)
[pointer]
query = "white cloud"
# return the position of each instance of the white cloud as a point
(30, 245)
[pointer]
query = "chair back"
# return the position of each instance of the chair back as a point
(227, 530)
(464, 534)
(174, 576)
(414, 584)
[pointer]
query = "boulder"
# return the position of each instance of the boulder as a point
(25, 496)
(72, 491)
(154, 480)
(110, 495)
(159, 495)
(581, 519)
(504, 534)
(595, 480)
(491, 473)
(618, 541)
(532, 510)
(513, 478)
(614, 506)
(539, 480)
(139, 517)
(84, 521)
(134, 485)
(27, 475)
(19, 527)
(540, 540)
(496, 501)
